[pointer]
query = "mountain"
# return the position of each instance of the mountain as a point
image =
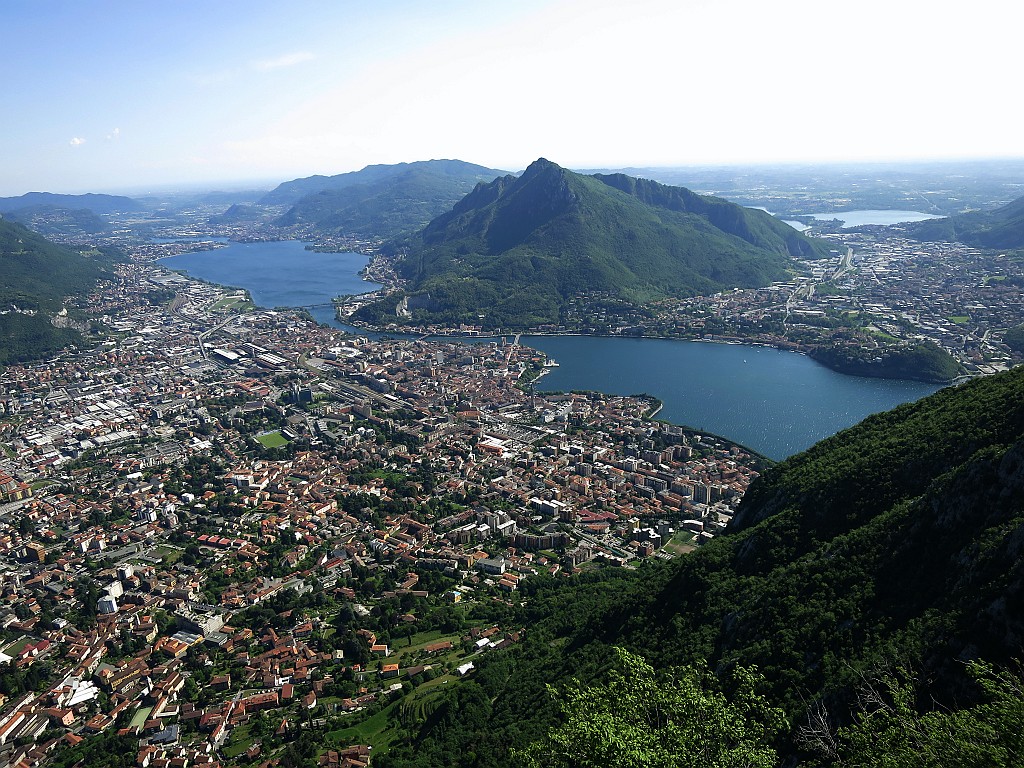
(90, 202)
(380, 200)
(35, 276)
(237, 214)
(516, 251)
(1001, 228)
(892, 550)
(51, 220)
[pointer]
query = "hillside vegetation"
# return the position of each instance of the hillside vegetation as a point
(50, 221)
(513, 252)
(921, 361)
(1001, 228)
(35, 276)
(380, 201)
(883, 559)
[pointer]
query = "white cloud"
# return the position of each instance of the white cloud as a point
(280, 62)
(76, 142)
(114, 135)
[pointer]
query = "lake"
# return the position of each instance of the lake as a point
(777, 403)
(799, 226)
(279, 274)
(863, 218)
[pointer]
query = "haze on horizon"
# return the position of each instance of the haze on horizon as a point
(118, 95)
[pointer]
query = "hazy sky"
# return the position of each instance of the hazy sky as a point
(124, 95)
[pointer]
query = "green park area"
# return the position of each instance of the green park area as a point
(272, 440)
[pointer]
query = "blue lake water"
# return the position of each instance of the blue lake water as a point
(279, 274)
(777, 403)
(863, 218)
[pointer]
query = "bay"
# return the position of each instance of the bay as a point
(279, 273)
(777, 403)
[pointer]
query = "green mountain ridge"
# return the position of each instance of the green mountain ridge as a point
(50, 220)
(238, 213)
(96, 203)
(517, 249)
(380, 201)
(35, 276)
(895, 544)
(290, 192)
(1001, 228)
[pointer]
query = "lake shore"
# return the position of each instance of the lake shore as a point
(871, 372)
(749, 390)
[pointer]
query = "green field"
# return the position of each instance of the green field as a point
(18, 646)
(241, 739)
(168, 555)
(272, 440)
(233, 303)
(403, 654)
(373, 731)
(681, 543)
(140, 717)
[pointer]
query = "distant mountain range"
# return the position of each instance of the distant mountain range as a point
(50, 220)
(1001, 228)
(52, 214)
(379, 200)
(237, 214)
(90, 202)
(514, 252)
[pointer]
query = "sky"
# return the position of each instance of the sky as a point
(128, 96)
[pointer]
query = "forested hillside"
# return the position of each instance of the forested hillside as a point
(1001, 228)
(380, 201)
(35, 276)
(887, 556)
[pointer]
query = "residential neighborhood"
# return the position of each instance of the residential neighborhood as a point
(226, 526)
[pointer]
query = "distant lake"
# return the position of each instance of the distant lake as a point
(863, 218)
(799, 226)
(777, 403)
(279, 274)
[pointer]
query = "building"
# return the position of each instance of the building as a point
(107, 604)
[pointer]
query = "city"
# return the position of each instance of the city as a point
(225, 521)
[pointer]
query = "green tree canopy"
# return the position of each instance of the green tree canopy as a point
(890, 732)
(681, 718)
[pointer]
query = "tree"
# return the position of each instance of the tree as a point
(679, 719)
(889, 731)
